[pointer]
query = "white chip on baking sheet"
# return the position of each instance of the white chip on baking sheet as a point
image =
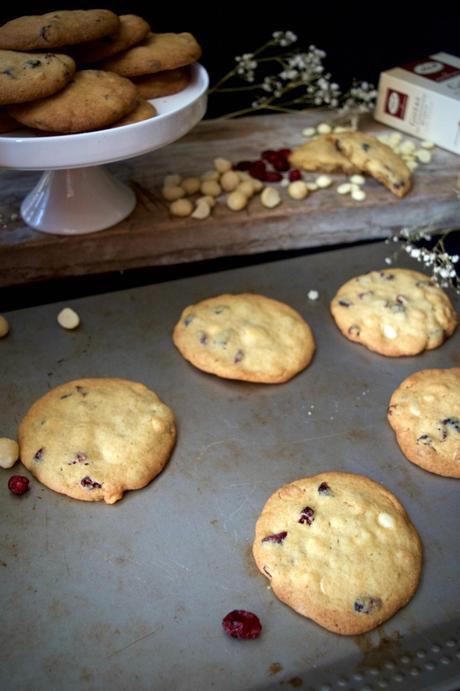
(323, 181)
(309, 131)
(423, 155)
(324, 128)
(344, 188)
(427, 145)
(313, 295)
(358, 194)
(68, 318)
(358, 179)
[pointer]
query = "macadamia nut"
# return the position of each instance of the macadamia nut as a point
(181, 207)
(236, 201)
(9, 452)
(222, 165)
(297, 190)
(68, 318)
(211, 187)
(230, 181)
(173, 192)
(270, 197)
(4, 326)
(190, 185)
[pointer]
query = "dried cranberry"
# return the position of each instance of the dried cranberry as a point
(242, 624)
(277, 537)
(258, 170)
(295, 175)
(365, 605)
(243, 165)
(280, 163)
(325, 489)
(18, 484)
(285, 152)
(90, 484)
(345, 303)
(307, 515)
(269, 155)
(39, 454)
(239, 355)
(272, 176)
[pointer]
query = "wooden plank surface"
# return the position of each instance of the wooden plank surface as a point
(151, 237)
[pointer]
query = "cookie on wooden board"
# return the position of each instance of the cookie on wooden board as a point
(29, 76)
(372, 156)
(132, 29)
(93, 99)
(245, 336)
(321, 154)
(94, 439)
(424, 412)
(339, 549)
(158, 52)
(57, 29)
(394, 312)
(161, 84)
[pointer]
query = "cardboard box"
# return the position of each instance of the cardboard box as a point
(422, 98)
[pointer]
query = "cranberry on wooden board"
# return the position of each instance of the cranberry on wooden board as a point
(241, 624)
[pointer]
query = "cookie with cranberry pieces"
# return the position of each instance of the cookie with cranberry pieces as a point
(424, 413)
(57, 29)
(321, 154)
(371, 156)
(394, 312)
(156, 53)
(131, 30)
(94, 439)
(339, 549)
(161, 84)
(30, 76)
(247, 336)
(92, 100)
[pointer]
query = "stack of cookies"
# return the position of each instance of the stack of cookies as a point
(82, 70)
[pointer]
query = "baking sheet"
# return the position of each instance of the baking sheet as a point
(132, 595)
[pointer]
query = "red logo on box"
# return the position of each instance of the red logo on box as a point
(435, 70)
(396, 103)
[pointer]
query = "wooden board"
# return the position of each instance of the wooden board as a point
(151, 237)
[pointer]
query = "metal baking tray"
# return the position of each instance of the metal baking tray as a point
(131, 596)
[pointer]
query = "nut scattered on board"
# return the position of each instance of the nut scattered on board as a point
(181, 207)
(9, 452)
(202, 210)
(211, 187)
(270, 197)
(298, 189)
(222, 165)
(172, 180)
(68, 319)
(236, 201)
(230, 181)
(191, 185)
(4, 326)
(173, 192)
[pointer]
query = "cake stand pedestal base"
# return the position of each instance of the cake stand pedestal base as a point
(77, 201)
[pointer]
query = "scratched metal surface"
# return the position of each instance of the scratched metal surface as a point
(132, 595)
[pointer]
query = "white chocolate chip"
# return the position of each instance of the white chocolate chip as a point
(394, 138)
(358, 194)
(423, 155)
(344, 188)
(68, 318)
(324, 128)
(9, 452)
(389, 331)
(173, 192)
(412, 165)
(385, 520)
(285, 182)
(270, 197)
(339, 129)
(171, 180)
(358, 180)
(323, 181)
(313, 295)
(222, 165)
(312, 186)
(309, 131)
(246, 188)
(4, 326)
(298, 190)
(236, 201)
(211, 187)
(201, 211)
(407, 147)
(181, 207)
(191, 185)
(427, 145)
(210, 175)
(230, 181)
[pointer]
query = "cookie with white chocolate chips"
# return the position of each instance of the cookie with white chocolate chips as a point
(424, 412)
(339, 549)
(94, 439)
(394, 312)
(247, 336)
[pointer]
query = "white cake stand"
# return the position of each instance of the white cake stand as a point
(75, 194)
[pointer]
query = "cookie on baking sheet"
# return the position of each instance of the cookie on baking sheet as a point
(394, 312)
(162, 84)
(131, 30)
(339, 549)
(142, 111)
(93, 439)
(156, 53)
(28, 76)
(322, 155)
(248, 337)
(92, 100)
(424, 412)
(372, 156)
(57, 29)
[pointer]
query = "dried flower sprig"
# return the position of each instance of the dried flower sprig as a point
(300, 81)
(436, 257)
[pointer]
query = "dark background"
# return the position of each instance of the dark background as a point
(360, 39)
